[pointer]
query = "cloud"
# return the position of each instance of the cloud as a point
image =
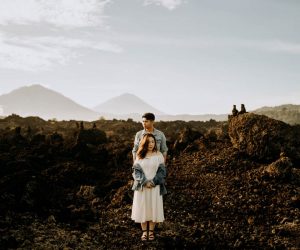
(277, 46)
(169, 4)
(24, 46)
(70, 43)
(15, 54)
(265, 45)
(59, 13)
(41, 53)
(271, 45)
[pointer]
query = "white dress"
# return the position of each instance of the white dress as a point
(147, 202)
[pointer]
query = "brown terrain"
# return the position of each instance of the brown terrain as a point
(67, 185)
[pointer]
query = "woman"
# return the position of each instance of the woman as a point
(149, 174)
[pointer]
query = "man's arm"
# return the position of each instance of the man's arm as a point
(135, 146)
(163, 147)
(133, 156)
(165, 156)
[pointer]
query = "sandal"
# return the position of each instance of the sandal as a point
(151, 235)
(144, 236)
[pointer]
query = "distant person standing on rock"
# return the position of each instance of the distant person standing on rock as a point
(148, 124)
(243, 109)
(234, 111)
(149, 173)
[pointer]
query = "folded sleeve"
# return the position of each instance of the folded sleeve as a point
(139, 176)
(161, 174)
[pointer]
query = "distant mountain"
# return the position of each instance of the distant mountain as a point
(130, 106)
(288, 113)
(126, 104)
(36, 100)
(184, 117)
(187, 117)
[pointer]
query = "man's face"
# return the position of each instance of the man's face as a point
(147, 124)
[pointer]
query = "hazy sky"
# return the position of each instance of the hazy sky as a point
(181, 56)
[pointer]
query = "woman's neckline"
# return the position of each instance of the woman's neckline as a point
(153, 154)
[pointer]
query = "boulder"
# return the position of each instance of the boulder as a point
(91, 136)
(86, 192)
(280, 168)
(263, 138)
(186, 137)
(56, 139)
(38, 139)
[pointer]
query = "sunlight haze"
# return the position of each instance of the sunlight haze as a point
(179, 56)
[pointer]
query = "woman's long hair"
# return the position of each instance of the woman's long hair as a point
(143, 147)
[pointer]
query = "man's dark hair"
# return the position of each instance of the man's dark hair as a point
(149, 116)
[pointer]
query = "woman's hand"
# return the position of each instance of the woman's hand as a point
(150, 184)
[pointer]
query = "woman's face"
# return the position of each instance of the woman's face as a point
(151, 144)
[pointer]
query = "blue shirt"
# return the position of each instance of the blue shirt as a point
(161, 142)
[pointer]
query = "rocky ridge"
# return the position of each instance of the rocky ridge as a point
(66, 185)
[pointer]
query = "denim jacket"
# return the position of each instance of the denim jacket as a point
(140, 178)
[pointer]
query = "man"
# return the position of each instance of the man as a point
(243, 109)
(148, 124)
